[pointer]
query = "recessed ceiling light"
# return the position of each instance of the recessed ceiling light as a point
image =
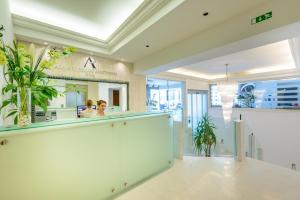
(205, 14)
(147, 46)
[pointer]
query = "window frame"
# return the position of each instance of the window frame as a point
(210, 97)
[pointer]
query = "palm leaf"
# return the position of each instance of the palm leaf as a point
(204, 136)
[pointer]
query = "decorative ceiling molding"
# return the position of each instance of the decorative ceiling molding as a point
(134, 24)
(138, 17)
(33, 25)
(243, 76)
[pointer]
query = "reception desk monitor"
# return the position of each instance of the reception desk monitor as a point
(82, 108)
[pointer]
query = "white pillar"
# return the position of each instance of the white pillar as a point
(239, 140)
(5, 20)
(178, 140)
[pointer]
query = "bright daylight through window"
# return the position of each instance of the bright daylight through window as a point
(271, 94)
(165, 95)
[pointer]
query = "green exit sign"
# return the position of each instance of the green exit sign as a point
(261, 18)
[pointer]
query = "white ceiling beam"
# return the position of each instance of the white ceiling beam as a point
(230, 37)
(295, 50)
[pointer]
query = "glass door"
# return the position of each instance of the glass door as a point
(197, 106)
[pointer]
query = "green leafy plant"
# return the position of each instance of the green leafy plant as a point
(204, 136)
(21, 69)
(247, 99)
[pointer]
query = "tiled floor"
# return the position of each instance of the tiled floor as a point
(219, 179)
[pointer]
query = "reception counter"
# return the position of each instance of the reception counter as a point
(84, 158)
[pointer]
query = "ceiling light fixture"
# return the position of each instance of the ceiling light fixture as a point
(205, 14)
(227, 90)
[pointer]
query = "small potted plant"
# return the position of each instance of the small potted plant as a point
(204, 136)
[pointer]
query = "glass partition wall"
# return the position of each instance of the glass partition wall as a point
(165, 95)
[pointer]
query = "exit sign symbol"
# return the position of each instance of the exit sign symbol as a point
(261, 18)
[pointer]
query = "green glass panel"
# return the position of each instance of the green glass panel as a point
(92, 161)
(146, 147)
(77, 120)
(79, 163)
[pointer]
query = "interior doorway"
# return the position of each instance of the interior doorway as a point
(197, 107)
(116, 98)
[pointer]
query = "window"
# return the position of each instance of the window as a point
(215, 98)
(271, 94)
(165, 95)
(75, 95)
(284, 94)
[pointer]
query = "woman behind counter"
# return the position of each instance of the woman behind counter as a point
(101, 107)
(89, 111)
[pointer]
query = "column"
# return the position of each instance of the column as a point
(6, 21)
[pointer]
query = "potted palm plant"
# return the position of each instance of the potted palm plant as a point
(204, 136)
(26, 80)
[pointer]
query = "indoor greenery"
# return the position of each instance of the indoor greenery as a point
(204, 136)
(23, 70)
(246, 99)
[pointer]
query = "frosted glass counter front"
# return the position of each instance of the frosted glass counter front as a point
(84, 159)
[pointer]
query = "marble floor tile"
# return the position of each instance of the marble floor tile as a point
(195, 178)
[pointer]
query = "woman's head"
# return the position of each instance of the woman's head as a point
(101, 105)
(89, 103)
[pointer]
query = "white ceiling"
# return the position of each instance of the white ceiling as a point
(165, 23)
(183, 22)
(95, 18)
(266, 56)
(273, 57)
(120, 29)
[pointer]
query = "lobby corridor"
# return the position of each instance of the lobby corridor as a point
(219, 179)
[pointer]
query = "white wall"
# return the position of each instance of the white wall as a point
(277, 133)
(104, 93)
(5, 20)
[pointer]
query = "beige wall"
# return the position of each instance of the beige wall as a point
(93, 92)
(106, 69)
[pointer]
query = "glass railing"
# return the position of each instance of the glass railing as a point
(92, 162)
(78, 120)
(253, 148)
(225, 134)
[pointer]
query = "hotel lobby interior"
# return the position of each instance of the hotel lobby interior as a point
(149, 99)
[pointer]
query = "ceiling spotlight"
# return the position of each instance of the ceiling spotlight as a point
(205, 14)
(147, 45)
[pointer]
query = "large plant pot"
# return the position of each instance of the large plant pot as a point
(24, 106)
